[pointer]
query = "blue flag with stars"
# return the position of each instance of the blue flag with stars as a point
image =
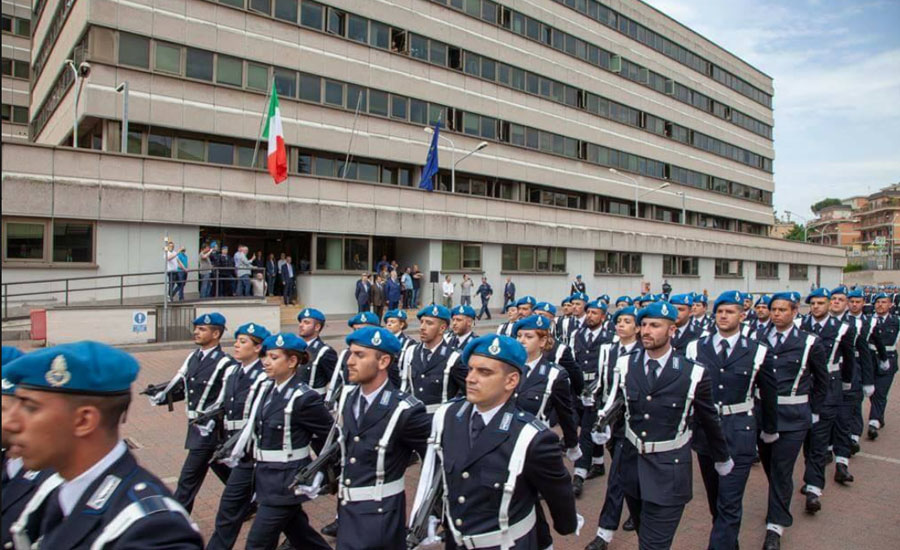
(431, 162)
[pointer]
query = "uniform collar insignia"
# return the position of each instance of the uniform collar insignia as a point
(279, 341)
(507, 420)
(385, 398)
(58, 375)
(103, 493)
(676, 363)
(494, 349)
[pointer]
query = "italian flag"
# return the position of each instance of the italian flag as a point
(275, 136)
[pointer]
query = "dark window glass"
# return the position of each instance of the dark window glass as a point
(418, 47)
(168, 58)
(398, 107)
(367, 172)
(310, 88)
(379, 35)
(229, 70)
(304, 164)
(378, 103)
(311, 15)
(488, 128)
(417, 111)
(245, 156)
(488, 69)
(403, 177)
(473, 66)
(262, 6)
(438, 53)
(286, 82)
(25, 241)
(358, 29)
(325, 167)
(471, 124)
(73, 242)
(334, 93)
(7, 24)
(199, 64)
(135, 51)
(221, 153)
(159, 145)
(135, 141)
(286, 9)
(257, 77)
(336, 21)
(357, 97)
(191, 149)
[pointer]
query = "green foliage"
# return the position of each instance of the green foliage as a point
(850, 268)
(824, 203)
(797, 233)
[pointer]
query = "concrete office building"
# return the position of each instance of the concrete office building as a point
(560, 91)
(16, 31)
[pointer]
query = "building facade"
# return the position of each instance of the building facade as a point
(560, 91)
(16, 30)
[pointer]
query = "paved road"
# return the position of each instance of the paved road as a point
(862, 516)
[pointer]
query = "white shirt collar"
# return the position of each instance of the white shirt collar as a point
(279, 387)
(532, 364)
(205, 352)
(628, 347)
(248, 368)
(732, 341)
(464, 337)
(13, 466)
(371, 397)
(70, 491)
(662, 360)
(489, 415)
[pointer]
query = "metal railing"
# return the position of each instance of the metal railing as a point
(223, 283)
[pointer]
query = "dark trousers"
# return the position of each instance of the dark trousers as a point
(362, 307)
(878, 401)
(725, 497)
(655, 523)
(291, 520)
(851, 413)
(193, 472)
(288, 291)
(815, 447)
(778, 461)
(233, 507)
(270, 285)
(485, 310)
(614, 501)
(589, 451)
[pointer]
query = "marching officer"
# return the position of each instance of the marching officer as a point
(614, 438)
(497, 460)
(380, 427)
(656, 456)
(512, 315)
(321, 358)
(561, 328)
(608, 325)
(685, 331)
(70, 401)
(340, 374)
(462, 318)
(887, 329)
(700, 319)
(738, 368)
(801, 375)
(749, 311)
(397, 321)
(761, 324)
(240, 380)
(284, 415)
(623, 302)
(559, 352)
(837, 338)
(586, 344)
(201, 375)
(431, 370)
(525, 305)
(874, 351)
(578, 302)
(645, 300)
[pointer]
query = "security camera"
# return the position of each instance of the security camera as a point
(84, 69)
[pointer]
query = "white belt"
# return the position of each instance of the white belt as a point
(320, 391)
(590, 376)
(886, 348)
(834, 367)
(648, 447)
(793, 399)
(358, 494)
(280, 455)
(235, 424)
(430, 409)
(736, 408)
(192, 415)
(495, 538)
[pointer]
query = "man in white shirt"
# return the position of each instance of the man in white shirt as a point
(447, 292)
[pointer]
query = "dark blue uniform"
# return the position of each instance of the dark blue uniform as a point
(505, 328)
(735, 379)
(837, 337)
(887, 330)
(586, 350)
(238, 493)
(317, 372)
(126, 506)
(850, 418)
(801, 375)
(279, 456)
(17, 491)
(458, 343)
(544, 390)
(656, 471)
(561, 354)
(372, 515)
(480, 486)
(433, 377)
(203, 377)
(682, 337)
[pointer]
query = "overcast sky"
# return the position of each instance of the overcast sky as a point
(836, 65)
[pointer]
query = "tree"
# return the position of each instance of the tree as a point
(824, 203)
(797, 233)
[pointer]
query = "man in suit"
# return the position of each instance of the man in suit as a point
(201, 377)
(485, 442)
(509, 291)
(378, 296)
(287, 277)
(271, 272)
(666, 397)
(684, 329)
(363, 293)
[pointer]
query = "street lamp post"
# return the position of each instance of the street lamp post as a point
(683, 209)
(805, 225)
(637, 188)
(123, 89)
(453, 161)
(80, 73)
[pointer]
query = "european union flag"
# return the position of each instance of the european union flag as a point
(431, 162)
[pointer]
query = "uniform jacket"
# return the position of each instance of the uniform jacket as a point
(888, 333)
(203, 383)
(605, 387)
(786, 360)
(237, 389)
(561, 354)
(17, 491)
(458, 343)
(530, 395)
(690, 333)
(322, 359)
(842, 353)
(868, 349)
(586, 355)
(505, 328)
(425, 380)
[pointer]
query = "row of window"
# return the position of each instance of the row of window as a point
(58, 90)
(729, 268)
(458, 256)
(15, 113)
(15, 25)
(15, 68)
(46, 47)
(617, 263)
(766, 270)
(533, 259)
(658, 42)
(379, 35)
(342, 253)
(46, 241)
(142, 52)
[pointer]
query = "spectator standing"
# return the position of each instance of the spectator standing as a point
(378, 298)
(363, 293)
(465, 290)
(243, 267)
(226, 272)
(287, 275)
(447, 292)
(279, 282)
(258, 284)
(577, 286)
(271, 273)
(407, 283)
(393, 291)
(485, 292)
(417, 277)
(182, 273)
(509, 291)
(382, 264)
(171, 269)
(204, 265)
(259, 262)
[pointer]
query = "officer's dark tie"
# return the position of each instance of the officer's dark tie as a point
(652, 366)
(590, 338)
(817, 328)
(362, 407)
(426, 355)
(622, 351)
(476, 426)
(779, 339)
(723, 353)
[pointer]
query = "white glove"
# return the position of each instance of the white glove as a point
(884, 365)
(769, 438)
(574, 453)
(310, 491)
(207, 428)
(600, 438)
(815, 418)
(580, 519)
(846, 386)
(231, 461)
(156, 399)
(724, 468)
(869, 390)
(433, 523)
(587, 401)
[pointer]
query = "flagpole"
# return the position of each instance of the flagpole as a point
(352, 133)
(262, 122)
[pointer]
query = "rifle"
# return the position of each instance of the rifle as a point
(176, 393)
(215, 414)
(616, 413)
(591, 389)
(224, 450)
(419, 530)
(327, 461)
